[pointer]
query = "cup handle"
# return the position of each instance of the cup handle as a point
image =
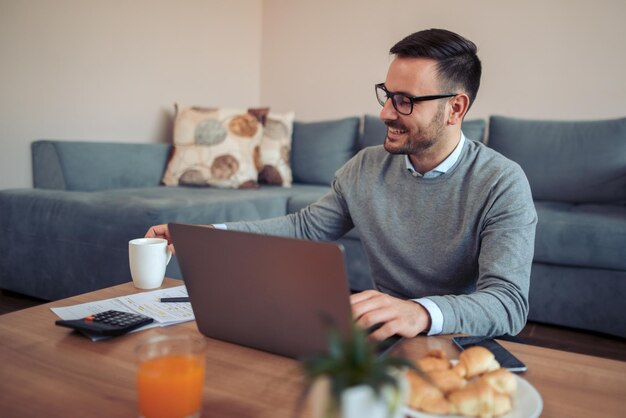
(169, 255)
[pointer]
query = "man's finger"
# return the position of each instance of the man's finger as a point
(361, 296)
(375, 316)
(387, 330)
(375, 300)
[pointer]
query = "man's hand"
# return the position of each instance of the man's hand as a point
(397, 316)
(161, 231)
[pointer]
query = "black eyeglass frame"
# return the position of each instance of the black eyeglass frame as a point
(412, 99)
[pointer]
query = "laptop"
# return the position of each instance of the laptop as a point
(271, 293)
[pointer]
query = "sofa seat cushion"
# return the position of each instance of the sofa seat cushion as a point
(54, 213)
(302, 200)
(590, 236)
(75, 242)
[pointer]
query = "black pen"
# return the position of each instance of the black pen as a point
(180, 299)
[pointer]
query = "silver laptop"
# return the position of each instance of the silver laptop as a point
(271, 293)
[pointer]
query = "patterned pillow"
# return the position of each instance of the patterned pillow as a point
(215, 147)
(273, 155)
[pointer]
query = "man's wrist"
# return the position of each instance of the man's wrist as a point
(434, 314)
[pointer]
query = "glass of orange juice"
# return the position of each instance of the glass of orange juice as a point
(170, 376)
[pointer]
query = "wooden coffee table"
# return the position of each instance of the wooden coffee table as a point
(50, 371)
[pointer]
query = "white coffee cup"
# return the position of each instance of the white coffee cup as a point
(148, 258)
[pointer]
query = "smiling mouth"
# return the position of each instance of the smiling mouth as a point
(395, 131)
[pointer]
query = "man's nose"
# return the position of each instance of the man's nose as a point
(388, 112)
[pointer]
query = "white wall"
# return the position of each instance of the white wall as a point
(111, 70)
(93, 70)
(555, 59)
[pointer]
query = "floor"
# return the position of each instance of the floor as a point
(560, 338)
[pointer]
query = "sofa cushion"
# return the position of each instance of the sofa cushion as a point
(577, 162)
(215, 147)
(375, 131)
(321, 148)
(92, 166)
(581, 235)
(67, 231)
(302, 200)
(584, 298)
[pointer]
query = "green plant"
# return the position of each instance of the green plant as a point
(353, 361)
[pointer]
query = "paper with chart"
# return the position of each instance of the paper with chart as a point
(146, 303)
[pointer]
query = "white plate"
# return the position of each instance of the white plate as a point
(527, 403)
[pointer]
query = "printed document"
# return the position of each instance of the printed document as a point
(146, 303)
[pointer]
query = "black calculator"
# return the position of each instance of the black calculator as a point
(108, 323)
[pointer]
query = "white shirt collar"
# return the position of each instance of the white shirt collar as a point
(443, 167)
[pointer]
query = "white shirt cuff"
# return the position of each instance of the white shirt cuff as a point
(436, 317)
(220, 226)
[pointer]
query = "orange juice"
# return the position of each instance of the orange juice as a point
(171, 386)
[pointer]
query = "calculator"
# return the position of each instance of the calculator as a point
(108, 323)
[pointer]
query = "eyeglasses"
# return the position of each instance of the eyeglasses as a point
(401, 102)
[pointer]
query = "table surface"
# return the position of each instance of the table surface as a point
(50, 371)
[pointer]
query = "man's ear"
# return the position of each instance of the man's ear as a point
(459, 105)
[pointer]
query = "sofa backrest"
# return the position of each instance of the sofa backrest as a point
(573, 161)
(375, 131)
(319, 149)
(90, 166)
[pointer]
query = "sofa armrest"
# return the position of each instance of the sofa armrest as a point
(91, 166)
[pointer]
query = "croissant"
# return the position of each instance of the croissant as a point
(475, 387)
(474, 361)
(501, 380)
(476, 399)
(426, 397)
(446, 380)
(434, 360)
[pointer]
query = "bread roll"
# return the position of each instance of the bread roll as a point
(501, 380)
(476, 399)
(501, 404)
(434, 360)
(426, 397)
(446, 380)
(475, 387)
(475, 361)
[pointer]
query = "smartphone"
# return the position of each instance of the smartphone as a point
(504, 357)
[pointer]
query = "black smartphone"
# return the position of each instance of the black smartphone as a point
(504, 357)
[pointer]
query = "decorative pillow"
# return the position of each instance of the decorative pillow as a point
(215, 147)
(273, 154)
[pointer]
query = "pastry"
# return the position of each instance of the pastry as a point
(474, 361)
(446, 380)
(426, 397)
(501, 380)
(475, 387)
(434, 360)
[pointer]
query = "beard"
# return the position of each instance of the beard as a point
(420, 140)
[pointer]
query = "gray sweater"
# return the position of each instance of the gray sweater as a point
(464, 239)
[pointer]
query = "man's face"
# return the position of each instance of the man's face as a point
(423, 128)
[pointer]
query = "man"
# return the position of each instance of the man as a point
(447, 223)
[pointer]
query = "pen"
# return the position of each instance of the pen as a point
(181, 299)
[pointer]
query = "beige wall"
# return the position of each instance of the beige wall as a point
(562, 59)
(85, 69)
(111, 70)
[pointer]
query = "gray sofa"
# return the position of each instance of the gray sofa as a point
(577, 174)
(69, 233)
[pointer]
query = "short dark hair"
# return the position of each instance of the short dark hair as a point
(458, 65)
